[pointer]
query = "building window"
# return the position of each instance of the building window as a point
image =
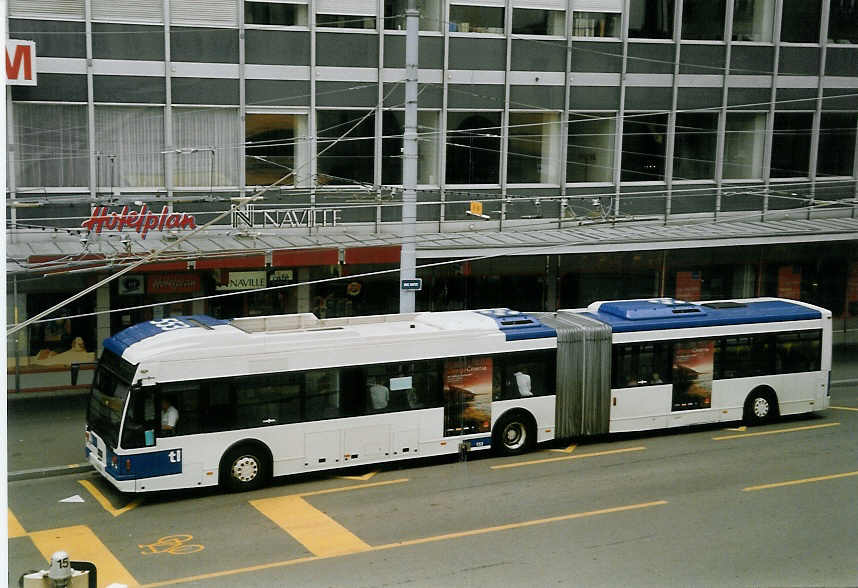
(836, 145)
(703, 20)
(206, 155)
(791, 144)
(526, 21)
(651, 19)
(129, 145)
(393, 130)
(476, 19)
(694, 146)
(534, 146)
(590, 151)
(430, 15)
(843, 22)
(744, 143)
(753, 20)
(644, 142)
(349, 160)
(473, 147)
(52, 145)
(345, 21)
(276, 147)
(596, 24)
(800, 21)
(275, 13)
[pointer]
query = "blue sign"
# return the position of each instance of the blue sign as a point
(414, 285)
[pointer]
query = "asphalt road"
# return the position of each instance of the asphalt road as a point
(771, 505)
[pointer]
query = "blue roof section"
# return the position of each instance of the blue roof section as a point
(665, 313)
(517, 326)
(136, 333)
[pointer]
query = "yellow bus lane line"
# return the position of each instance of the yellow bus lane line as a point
(82, 544)
(566, 458)
(105, 503)
(15, 528)
(411, 542)
(317, 532)
(775, 432)
(797, 482)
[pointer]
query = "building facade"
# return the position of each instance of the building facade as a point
(534, 116)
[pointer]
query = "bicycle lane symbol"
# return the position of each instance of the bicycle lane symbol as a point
(172, 544)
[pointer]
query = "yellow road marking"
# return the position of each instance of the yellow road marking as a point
(843, 408)
(796, 482)
(355, 487)
(775, 432)
(448, 536)
(15, 528)
(742, 428)
(105, 503)
(566, 457)
(363, 478)
(82, 544)
(315, 530)
(569, 449)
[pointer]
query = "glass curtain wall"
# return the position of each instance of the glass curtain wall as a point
(694, 146)
(208, 142)
(129, 145)
(753, 20)
(473, 147)
(533, 151)
(52, 142)
(590, 151)
(744, 144)
(644, 144)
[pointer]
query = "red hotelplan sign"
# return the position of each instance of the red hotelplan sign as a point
(173, 284)
(141, 221)
(20, 63)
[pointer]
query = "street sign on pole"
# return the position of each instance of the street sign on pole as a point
(414, 285)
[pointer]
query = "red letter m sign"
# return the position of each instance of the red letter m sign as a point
(20, 63)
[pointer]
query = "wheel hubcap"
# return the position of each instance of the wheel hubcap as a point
(514, 435)
(761, 407)
(245, 469)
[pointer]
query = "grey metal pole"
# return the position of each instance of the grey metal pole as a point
(408, 254)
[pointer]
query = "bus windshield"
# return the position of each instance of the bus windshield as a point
(110, 386)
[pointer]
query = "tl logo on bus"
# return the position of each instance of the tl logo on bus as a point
(141, 221)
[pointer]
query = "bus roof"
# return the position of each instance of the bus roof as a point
(160, 338)
(667, 313)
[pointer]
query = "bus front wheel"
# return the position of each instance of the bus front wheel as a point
(514, 434)
(243, 468)
(760, 407)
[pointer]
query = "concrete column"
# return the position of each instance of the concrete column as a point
(551, 270)
(102, 304)
(303, 302)
(198, 306)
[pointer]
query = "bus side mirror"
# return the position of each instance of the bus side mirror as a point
(149, 437)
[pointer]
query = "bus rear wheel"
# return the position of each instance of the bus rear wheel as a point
(243, 468)
(514, 434)
(760, 407)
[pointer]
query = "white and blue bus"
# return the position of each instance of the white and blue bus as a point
(277, 395)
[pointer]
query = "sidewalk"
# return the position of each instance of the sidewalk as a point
(45, 435)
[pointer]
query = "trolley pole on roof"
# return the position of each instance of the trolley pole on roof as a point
(408, 254)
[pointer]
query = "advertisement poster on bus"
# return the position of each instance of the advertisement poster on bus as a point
(693, 366)
(467, 396)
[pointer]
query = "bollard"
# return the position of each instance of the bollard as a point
(75, 369)
(62, 573)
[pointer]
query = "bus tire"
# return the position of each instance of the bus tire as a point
(761, 406)
(514, 433)
(244, 467)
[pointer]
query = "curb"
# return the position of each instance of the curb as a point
(50, 472)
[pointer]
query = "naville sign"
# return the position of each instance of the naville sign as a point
(20, 63)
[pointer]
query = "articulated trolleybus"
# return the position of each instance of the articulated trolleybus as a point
(256, 397)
